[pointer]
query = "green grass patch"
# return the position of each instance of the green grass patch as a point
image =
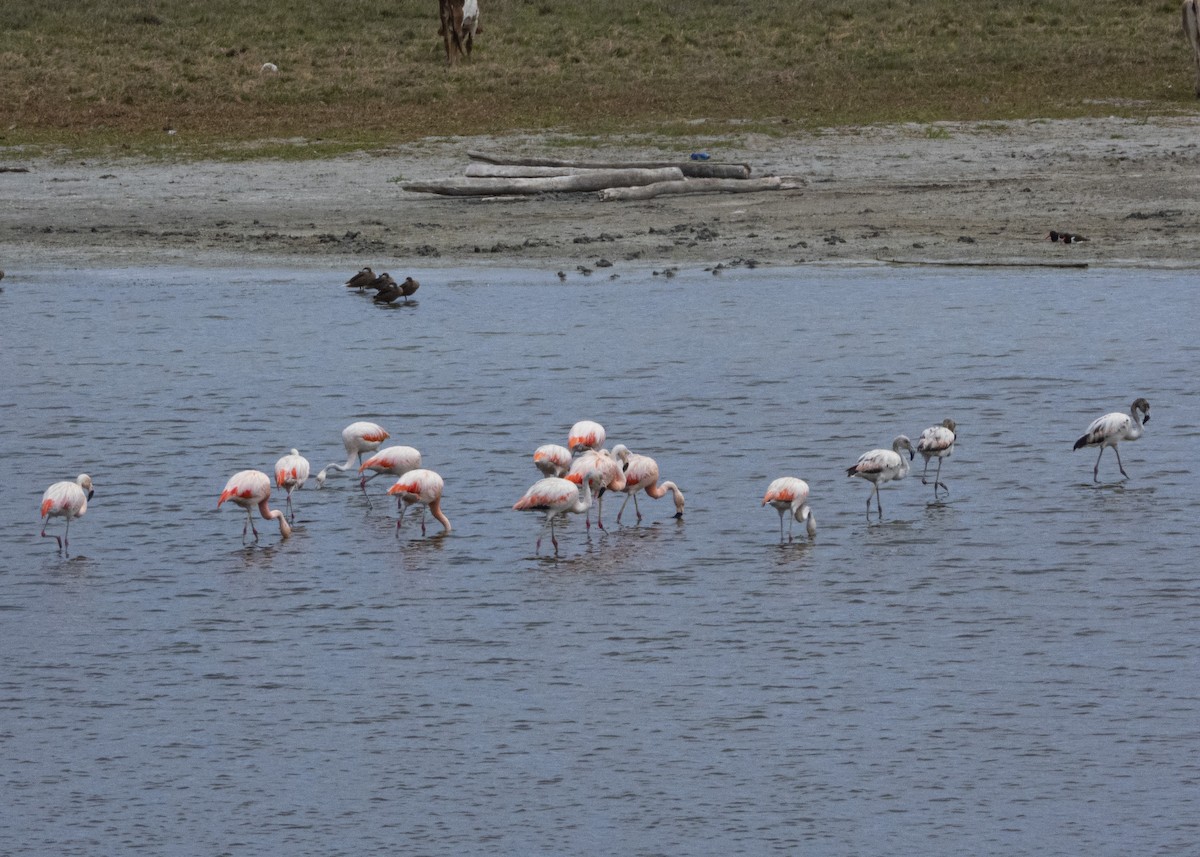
(115, 74)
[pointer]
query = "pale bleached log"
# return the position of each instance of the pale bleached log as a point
(691, 169)
(592, 180)
(479, 170)
(696, 186)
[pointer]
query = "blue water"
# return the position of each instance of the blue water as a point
(1010, 670)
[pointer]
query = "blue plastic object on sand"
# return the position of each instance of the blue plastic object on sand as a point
(699, 156)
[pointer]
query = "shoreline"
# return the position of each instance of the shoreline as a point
(951, 193)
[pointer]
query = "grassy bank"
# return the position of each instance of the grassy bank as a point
(95, 73)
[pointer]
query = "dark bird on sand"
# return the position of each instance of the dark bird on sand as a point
(408, 288)
(1065, 237)
(361, 280)
(388, 289)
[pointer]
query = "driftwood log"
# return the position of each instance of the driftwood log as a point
(696, 186)
(479, 170)
(592, 180)
(691, 169)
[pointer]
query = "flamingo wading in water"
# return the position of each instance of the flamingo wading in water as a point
(251, 488)
(358, 438)
(552, 459)
(787, 493)
(585, 434)
(601, 468)
(882, 465)
(1111, 429)
(66, 500)
(937, 441)
(396, 460)
(291, 472)
(641, 474)
(422, 488)
(555, 496)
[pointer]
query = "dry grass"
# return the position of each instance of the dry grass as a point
(95, 73)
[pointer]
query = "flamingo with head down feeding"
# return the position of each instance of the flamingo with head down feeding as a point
(787, 493)
(251, 488)
(603, 471)
(396, 460)
(552, 459)
(882, 465)
(66, 500)
(641, 474)
(555, 496)
(358, 438)
(291, 471)
(420, 488)
(585, 434)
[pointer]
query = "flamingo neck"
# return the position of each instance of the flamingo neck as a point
(584, 501)
(435, 509)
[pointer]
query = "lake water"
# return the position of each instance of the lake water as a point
(1014, 670)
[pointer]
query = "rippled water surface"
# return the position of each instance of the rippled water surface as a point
(1013, 670)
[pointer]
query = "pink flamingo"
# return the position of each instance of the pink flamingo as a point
(66, 500)
(291, 472)
(555, 496)
(1111, 429)
(251, 488)
(787, 493)
(882, 465)
(937, 441)
(423, 488)
(396, 460)
(358, 438)
(585, 434)
(601, 469)
(552, 459)
(641, 474)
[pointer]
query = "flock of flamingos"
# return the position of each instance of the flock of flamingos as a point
(574, 476)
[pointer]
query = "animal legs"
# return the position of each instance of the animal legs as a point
(1116, 452)
(50, 536)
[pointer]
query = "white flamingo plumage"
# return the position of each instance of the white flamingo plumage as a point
(555, 496)
(787, 493)
(394, 460)
(937, 441)
(358, 438)
(883, 465)
(291, 472)
(1111, 429)
(552, 459)
(585, 434)
(601, 468)
(641, 474)
(422, 488)
(66, 500)
(251, 488)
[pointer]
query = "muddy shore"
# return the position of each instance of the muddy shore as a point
(950, 193)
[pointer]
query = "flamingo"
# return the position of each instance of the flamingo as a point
(423, 488)
(789, 493)
(937, 441)
(66, 500)
(361, 280)
(291, 472)
(883, 465)
(358, 438)
(1111, 429)
(585, 434)
(641, 473)
(555, 496)
(251, 488)
(602, 469)
(396, 460)
(552, 459)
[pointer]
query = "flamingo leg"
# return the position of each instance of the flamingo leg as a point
(878, 502)
(422, 520)
(600, 509)
(1096, 469)
(621, 511)
(66, 545)
(925, 470)
(1116, 452)
(553, 540)
(51, 536)
(936, 480)
(781, 525)
(636, 509)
